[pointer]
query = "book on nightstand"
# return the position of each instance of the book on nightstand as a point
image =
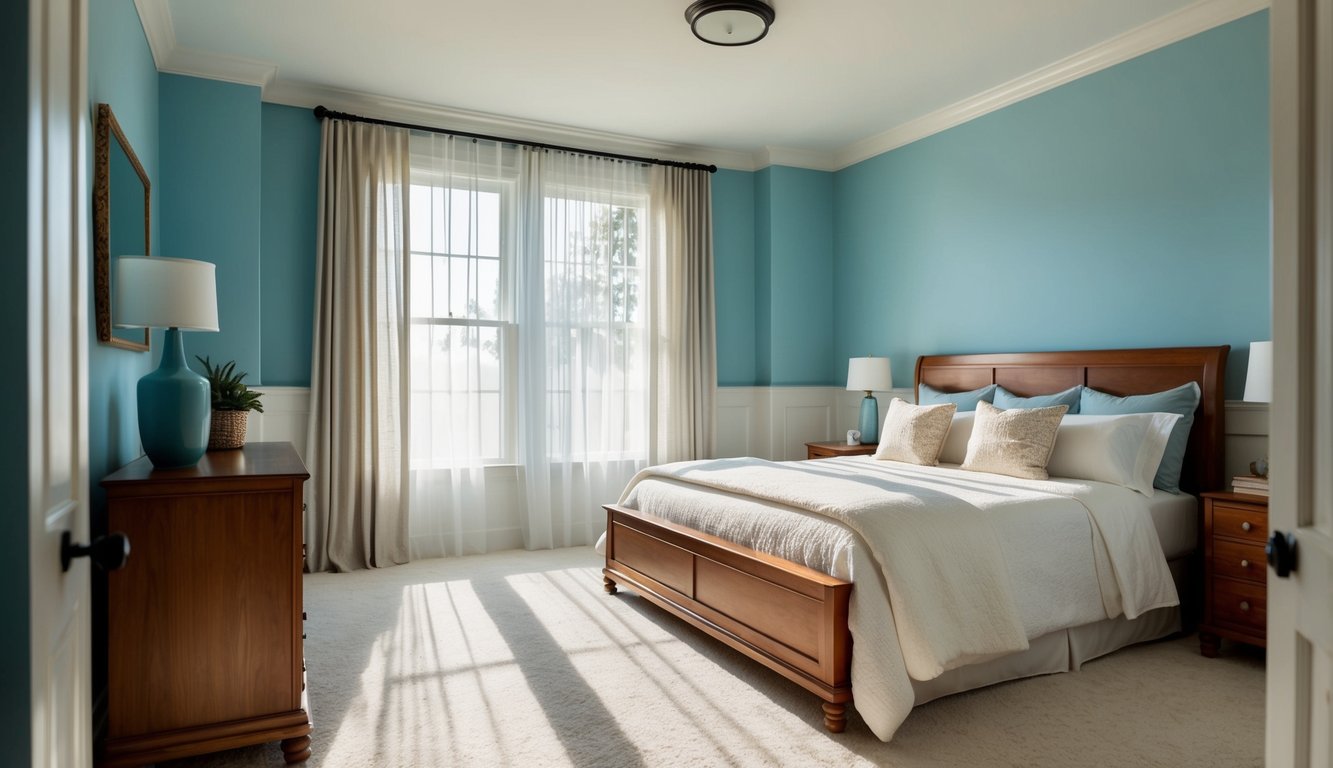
(1250, 484)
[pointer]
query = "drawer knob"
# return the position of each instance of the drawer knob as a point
(1244, 563)
(1245, 526)
(1244, 605)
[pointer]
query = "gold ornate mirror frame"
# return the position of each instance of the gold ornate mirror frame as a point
(107, 128)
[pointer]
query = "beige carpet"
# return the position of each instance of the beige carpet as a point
(520, 659)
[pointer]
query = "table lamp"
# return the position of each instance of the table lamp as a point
(1259, 388)
(174, 401)
(869, 375)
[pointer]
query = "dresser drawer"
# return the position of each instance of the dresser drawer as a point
(1241, 604)
(1240, 523)
(1239, 561)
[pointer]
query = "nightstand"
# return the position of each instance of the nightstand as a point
(837, 448)
(1235, 573)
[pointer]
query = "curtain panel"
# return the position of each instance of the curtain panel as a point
(357, 507)
(504, 337)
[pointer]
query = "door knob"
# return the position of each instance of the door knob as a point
(1282, 553)
(107, 552)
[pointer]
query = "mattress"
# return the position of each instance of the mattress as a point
(1176, 518)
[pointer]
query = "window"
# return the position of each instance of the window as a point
(461, 335)
(596, 384)
(465, 293)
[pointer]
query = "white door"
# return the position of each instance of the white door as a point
(1300, 606)
(57, 380)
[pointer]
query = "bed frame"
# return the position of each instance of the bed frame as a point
(793, 619)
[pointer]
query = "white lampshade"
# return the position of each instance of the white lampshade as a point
(159, 292)
(1259, 376)
(869, 374)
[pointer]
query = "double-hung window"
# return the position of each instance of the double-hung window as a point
(526, 344)
(462, 331)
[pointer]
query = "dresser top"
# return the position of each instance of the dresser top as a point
(254, 460)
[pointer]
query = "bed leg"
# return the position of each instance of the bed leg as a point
(609, 585)
(835, 717)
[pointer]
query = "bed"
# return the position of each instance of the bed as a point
(773, 600)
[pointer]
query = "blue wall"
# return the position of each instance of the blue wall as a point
(290, 194)
(734, 276)
(1128, 208)
(210, 156)
(120, 73)
(800, 258)
(775, 304)
(15, 650)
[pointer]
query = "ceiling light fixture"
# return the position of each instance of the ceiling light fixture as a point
(730, 22)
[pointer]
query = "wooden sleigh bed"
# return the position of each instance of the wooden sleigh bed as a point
(793, 619)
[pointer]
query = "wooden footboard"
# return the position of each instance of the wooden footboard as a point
(789, 618)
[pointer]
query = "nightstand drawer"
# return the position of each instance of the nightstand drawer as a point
(1240, 603)
(1240, 523)
(1239, 561)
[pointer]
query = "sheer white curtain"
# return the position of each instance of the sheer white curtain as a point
(584, 360)
(530, 343)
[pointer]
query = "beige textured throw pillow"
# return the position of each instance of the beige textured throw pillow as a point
(1016, 442)
(914, 433)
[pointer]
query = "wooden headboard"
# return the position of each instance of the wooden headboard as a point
(1118, 372)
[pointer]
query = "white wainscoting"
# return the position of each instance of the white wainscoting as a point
(769, 422)
(1247, 437)
(286, 417)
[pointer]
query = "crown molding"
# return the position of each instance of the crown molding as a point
(155, 17)
(812, 159)
(217, 66)
(420, 113)
(1174, 27)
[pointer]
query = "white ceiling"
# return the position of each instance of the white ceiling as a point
(830, 72)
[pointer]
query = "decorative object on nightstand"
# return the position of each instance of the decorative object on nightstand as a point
(825, 450)
(1235, 528)
(174, 403)
(869, 375)
(232, 403)
(1259, 389)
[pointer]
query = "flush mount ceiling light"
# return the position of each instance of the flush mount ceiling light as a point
(729, 22)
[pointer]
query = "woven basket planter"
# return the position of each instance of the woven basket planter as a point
(228, 430)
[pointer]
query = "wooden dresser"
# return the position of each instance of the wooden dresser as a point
(204, 644)
(1235, 529)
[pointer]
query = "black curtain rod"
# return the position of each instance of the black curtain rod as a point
(322, 112)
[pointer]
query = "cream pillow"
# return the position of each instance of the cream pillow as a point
(955, 444)
(1016, 442)
(1125, 450)
(914, 433)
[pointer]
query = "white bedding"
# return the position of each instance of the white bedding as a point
(1071, 553)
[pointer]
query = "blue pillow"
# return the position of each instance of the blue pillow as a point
(1070, 397)
(1182, 400)
(966, 401)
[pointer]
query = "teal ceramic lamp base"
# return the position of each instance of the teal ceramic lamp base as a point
(174, 409)
(869, 425)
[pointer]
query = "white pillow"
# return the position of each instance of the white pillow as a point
(1124, 450)
(955, 443)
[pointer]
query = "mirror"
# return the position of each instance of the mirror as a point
(120, 222)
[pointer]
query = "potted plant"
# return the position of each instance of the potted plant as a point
(232, 403)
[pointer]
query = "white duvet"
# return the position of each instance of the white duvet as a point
(951, 567)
